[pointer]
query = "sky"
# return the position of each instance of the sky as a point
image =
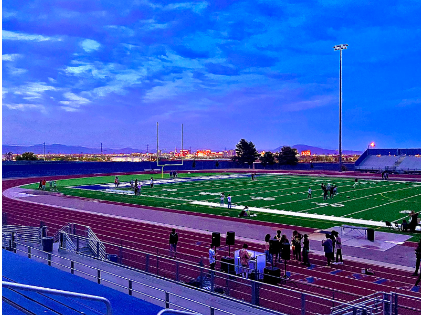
(88, 72)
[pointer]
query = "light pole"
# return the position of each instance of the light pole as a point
(340, 48)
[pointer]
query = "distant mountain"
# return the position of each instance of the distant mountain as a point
(319, 151)
(64, 149)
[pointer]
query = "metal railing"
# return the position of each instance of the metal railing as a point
(28, 234)
(18, 286)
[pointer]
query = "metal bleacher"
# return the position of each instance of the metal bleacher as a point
(393, 160)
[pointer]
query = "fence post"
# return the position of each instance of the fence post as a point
(77, 244)
(157, 264)
(212, 311)
(386, 303)
(99, 276)
(120, 252)
(354, 311)
(201, 277)
(61, 240)
(254, 292)
(395, 303)
(167, 300)
(130, 287)
(29, 252)
(177, 275)
(97, 249)
(49, 259)
(303, 304)
(147, 263)
(13, 245)
(212, 281)
(72, 267)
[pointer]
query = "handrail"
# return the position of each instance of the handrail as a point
(175, 312)
(26, 287)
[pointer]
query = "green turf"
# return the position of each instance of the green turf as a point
(369, 200)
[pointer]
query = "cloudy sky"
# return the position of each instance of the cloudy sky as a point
(83, 72)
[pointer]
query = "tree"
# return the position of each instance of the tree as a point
(27, 156)
(288, 156)
(267, 159)
(245, 153)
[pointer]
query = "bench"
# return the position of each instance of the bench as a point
(355, 228)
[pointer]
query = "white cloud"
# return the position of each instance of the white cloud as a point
(194, 6)
(90, 45)
(24, 107)
(34, 90)
(16, 71)
(7, 35)
(73, 102)
(11, 57)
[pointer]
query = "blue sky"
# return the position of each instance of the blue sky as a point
(84, 72)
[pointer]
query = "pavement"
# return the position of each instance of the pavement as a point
(388, 249)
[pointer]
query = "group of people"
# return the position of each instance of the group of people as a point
(333, 241)
(413, 222)
(280, 247)
(173, 174)
(136, 186)
(222, 200)
(43, 183)
(327, 189)
(385, 175)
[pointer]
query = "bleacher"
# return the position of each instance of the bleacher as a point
(392, 160)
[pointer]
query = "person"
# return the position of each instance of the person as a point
(414, 221)
(267, 249)
(309, 193)
(328, 248)
(175, 174)
(131, 184)
(151, 182)
(171, 174)
(418, 280)
(229, 201)
(324, 191)
(331, 191)
(44, 182)
(212, 258)
(136, 190)
(355, 183)
(173, 242)
(222, 199)
(338, 241)
(285, 248)
(278, 237)
(405, 225)
(306, 250)
(252, 176)
(54, 185)
(335, 190)
(243, 213)
(418, 258)
(244, 260)
(116, 182)
(135, 182)
(296, 243)
(40, 185)
(51, 185)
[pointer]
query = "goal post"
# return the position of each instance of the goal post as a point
(157, 150)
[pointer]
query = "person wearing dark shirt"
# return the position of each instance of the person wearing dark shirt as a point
(328, 249)
(173, 242)
(418, 257)
(306, 250)
(414, 221)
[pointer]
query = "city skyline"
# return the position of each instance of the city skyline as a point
(86, 72)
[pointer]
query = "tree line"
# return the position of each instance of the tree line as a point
(246, 153)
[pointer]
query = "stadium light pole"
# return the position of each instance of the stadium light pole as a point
(340, 48)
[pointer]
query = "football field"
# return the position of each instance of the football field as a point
(281, 198)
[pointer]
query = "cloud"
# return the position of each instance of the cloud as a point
(11, 57)
(90, 45)
(35, 90)
(196, 7)
(7, 35)
(16, 71)
(316, 101)
(24, 107)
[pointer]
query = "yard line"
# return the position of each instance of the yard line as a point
(388, 203)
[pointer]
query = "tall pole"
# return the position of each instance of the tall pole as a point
(44, 151)
(157, 144)
(101, 148)
(340, 111)
(340, 48)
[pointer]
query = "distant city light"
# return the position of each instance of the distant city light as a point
(372, 144)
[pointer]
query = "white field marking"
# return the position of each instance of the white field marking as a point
(209, 193)
(388, 203)
(262, 198)
(297, 214)
(167, 189)
(350, 200)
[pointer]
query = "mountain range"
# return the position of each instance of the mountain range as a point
(64, 149)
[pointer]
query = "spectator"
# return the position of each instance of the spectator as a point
(222, 198)
(44, 182)
(229, 201)
(40, 185)
(418, 257)
(414, 221)
(212, 258)
(151, 182)
(243, 212)
(328, 248)
(338, 241)
(267, 249)
(285, 248)
(173, 243)
(405, 226)
(278, 237)
(244, 260)
(296, 243)
(306, 250)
